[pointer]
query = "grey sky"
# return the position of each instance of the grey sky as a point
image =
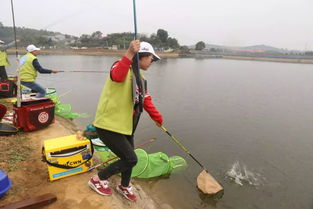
(279, 23)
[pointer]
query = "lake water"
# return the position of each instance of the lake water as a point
(250, 123)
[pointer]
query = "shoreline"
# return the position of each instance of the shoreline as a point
(89, 52)
(107, 52)
(249, 58)
(283, 60)
(30, 175)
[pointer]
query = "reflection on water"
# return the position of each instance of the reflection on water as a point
(259, 114)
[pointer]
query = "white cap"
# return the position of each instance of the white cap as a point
(1, 42)
(31, 48)
(146, 47)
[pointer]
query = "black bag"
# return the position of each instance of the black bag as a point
(7, 89)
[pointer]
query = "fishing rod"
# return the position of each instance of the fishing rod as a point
(113, 158)
(81, 71)
(18, 94)
(14, 29)
(136, 68)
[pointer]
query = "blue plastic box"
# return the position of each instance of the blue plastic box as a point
(5, 183)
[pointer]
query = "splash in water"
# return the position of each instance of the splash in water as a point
(241, 175)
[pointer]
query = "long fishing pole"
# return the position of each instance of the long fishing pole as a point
(18, 95)
(14, 29)
(136, 63)
(81, 71)
(135, 18)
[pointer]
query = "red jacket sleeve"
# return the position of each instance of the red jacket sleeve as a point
(120, 69)
(151, 109)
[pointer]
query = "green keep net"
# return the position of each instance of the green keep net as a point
(143, 157)
(62, 110)
(148, 165)
(156, 164)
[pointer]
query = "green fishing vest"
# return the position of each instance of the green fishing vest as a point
(116, 105)
(27, 71)
(4, 58)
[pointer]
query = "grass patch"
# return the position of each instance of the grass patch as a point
(14, 149)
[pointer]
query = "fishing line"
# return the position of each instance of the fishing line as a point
(65, 18)
(67, 92)
(82, 71)
(86, 9)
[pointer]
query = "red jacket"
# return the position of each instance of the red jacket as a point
(118, 74)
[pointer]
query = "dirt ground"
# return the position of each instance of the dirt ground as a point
(20, 158)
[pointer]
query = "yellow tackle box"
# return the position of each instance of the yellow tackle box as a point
(67, 156)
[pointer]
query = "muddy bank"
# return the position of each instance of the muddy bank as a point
(30, 175)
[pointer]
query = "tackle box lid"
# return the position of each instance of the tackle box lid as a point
(61, 143)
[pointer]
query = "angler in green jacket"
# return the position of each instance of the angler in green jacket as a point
(4, 58)
(121, 102)
(29, 66)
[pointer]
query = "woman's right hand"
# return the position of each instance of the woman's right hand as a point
(133, 48)
(158, 124)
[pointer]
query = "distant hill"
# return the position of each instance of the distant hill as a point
(261, 47)
(265, 48)
(209, 46)
(33, 36)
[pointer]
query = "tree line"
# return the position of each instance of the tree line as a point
(159, 40)
(48, 39)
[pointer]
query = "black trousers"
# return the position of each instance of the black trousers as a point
(3, 73)
(123, 147)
